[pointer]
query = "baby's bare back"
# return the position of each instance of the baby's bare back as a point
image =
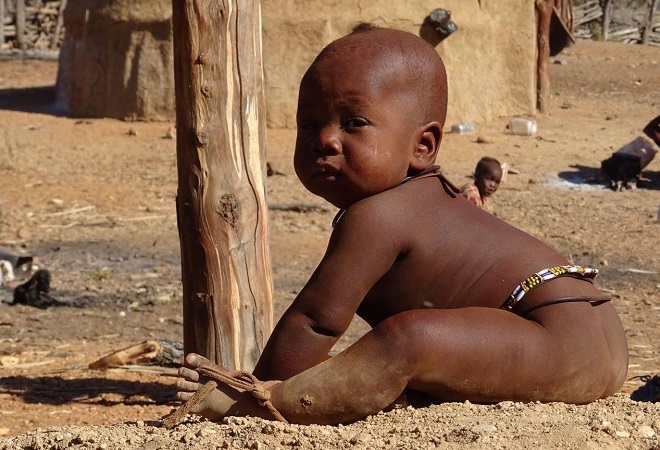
(449, 253)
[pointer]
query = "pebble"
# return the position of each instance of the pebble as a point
(188, 437)
(481, 428)
(205, 432)
(622, 434)
(360, 438)
(646, 431)
(268, 429)
(23, 233)
(505, 405)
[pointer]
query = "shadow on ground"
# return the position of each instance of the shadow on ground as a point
(649, 391)
(39, 99)
(101, 391)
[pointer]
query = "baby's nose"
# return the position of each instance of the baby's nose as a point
(328, 140)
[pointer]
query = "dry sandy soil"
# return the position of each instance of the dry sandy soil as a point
(94, 200)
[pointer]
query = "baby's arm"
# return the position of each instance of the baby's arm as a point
(358, 255)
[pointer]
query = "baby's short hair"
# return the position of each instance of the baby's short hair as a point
(425, 72)
(487, 165)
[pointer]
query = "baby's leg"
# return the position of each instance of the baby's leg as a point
(360, 381)
(476, 354)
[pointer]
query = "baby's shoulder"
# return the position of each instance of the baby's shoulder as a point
(380, 212)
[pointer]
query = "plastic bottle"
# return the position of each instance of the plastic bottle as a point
(522, 127)
(463, 127)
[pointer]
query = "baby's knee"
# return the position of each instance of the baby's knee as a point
(406, 337)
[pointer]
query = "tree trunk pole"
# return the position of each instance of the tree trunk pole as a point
(544, 17)
(20, 24)
(221, 208)
(649, 22)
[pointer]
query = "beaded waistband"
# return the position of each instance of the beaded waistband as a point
(544, 275)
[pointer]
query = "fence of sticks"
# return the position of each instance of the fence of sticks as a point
(31, 24)
(614, 22)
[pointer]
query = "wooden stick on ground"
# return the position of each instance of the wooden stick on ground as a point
(140, 352)
(172, 419)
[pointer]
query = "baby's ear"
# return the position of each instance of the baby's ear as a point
(427, 143)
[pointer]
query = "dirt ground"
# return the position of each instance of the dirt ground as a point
(94, 201)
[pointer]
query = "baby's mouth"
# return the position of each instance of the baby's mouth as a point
(324, 170)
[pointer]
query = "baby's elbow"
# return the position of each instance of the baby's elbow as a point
(325, 325)
(327, 330)
(312, 324)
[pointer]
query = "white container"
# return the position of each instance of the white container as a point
(463, 127)
(522, 127)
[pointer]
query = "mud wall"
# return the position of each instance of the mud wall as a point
(490, 59)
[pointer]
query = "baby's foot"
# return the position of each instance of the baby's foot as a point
(213, 406)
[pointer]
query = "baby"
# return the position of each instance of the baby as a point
(462, 305)
(487, 178)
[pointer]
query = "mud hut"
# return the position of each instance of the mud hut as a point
(116, 60)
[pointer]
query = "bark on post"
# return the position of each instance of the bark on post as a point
(221, 209)
(544, 17)
(649, 23)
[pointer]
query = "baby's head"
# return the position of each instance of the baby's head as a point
(371, 110)
(487, 176)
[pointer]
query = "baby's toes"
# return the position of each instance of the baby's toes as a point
(193, 360)
(184, 396)
(188, 386)
(188, 374)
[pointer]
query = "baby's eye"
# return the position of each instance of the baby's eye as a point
(354, 122)
(307, 125)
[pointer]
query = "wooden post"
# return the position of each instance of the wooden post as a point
(55, 39)
(2, 23)
(221, 208)
(649, 23)
(544, 17)
(20, 24)
(607, 17)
